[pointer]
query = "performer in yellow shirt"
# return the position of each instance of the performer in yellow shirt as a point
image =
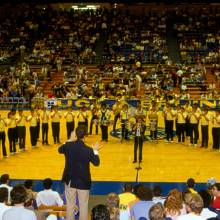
(32, 119)
(21, 129)
(69, 116)
(11, 123)
(181, 122)
(116, 110)
(124, 114)
(45, 126)
(204, 121)
(94, 120)
(216, 130)
(3, 125)
(55, 118)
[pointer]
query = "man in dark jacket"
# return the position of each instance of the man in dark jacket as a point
(76, 175)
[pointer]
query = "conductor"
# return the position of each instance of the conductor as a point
(76, 174)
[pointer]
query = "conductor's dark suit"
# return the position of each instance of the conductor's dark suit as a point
(76, 174)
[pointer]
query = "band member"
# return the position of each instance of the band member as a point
(32, 119)
(37, 114)
(216, 130)
(70, 124)
(140, 111)
(194, 117)
(3, 125)
(180, 124)
(21, 129)
(45, 126)
(153, 122)
(169, 115)
(116, 110)
(11, 123)
(188, 110)
(104, 117)
(82, 117)
(94, 120)
(139, 129)
(204, 121)
(55, 118)
(124, 122)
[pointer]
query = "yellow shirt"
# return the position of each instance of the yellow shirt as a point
(181, 117)
(216, 122)
(188, 108)
(45, 117)
(82, 116)
(126, 198)
(193, 118)
(55, 116)
(205, 119)
(11, 122)
(116, 109)
(69, 117)
(32, 120)
(22, 120)
(2, 125)
(124, 115)
(169, 115)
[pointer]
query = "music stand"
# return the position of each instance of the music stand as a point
(138, 168)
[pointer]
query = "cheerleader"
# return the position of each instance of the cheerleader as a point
(153, 122)
(55, 118)
(139, 129)
(94, 110)
(104, 117)
(45, 126)
(69, 116)
(216, 130)
(3, 125)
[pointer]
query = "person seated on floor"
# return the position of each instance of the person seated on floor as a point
(48, 197)
(141, 208)
(157, 195)
(28, 184)
(207, 212)
(194, 207)
(4, 180)
(3, 201)
(100, 212)
(18, 211)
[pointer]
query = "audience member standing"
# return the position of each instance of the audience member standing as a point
(76, 175)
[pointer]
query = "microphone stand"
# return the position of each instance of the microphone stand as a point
(138, 168)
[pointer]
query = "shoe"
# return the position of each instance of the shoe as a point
(166, 141)
(195, 145)
(190, 144)
(5, 156)
(134, 161)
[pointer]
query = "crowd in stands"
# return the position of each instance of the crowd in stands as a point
(54, 38)
(198, 33)
(137, 202)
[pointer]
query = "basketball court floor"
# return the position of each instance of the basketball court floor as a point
(162, 162)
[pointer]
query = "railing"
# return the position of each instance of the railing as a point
(8, 103)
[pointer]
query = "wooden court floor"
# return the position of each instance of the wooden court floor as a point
(162, 162)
